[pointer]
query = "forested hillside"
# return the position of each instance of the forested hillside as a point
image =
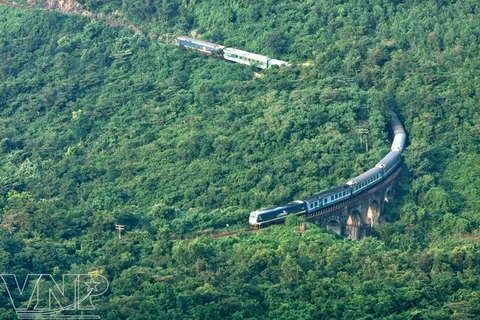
(101, 126)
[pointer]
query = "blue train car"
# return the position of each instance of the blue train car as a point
(389, 162)
(199, 45)
(327, 198)
(400, 136)
(365, 180)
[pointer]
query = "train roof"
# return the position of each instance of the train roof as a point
(281, 207)
(246, 54)
(326, 193)
(205, 43)
(397, 126)
(399, 142)
(364, 176)
(387, 159)
(277, 62)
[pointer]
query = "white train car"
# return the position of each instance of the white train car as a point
(253, 59)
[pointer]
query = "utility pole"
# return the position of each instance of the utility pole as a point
(119, 227)
(362, 132)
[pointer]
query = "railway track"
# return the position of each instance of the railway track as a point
(232, 233)
(14, 4)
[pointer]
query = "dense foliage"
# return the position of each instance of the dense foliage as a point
(100, 126)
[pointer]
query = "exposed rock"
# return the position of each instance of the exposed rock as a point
(61, 5)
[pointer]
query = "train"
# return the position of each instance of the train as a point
(351, 188)
(230, 54)
(322, 200)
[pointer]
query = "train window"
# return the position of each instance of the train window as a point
(324, 200)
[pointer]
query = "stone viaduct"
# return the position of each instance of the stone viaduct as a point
(356, 216)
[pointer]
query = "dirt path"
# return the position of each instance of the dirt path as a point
(13, 4)
(77, 10)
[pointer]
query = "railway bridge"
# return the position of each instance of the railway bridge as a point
(356, 216)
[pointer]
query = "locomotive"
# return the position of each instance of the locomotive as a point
(230, 54)
(330, 197)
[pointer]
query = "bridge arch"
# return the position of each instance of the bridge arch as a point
(373, 213)
(389, 194)
(335, 226)
(354, 223)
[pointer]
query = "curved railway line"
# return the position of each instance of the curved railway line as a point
(317, 205)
